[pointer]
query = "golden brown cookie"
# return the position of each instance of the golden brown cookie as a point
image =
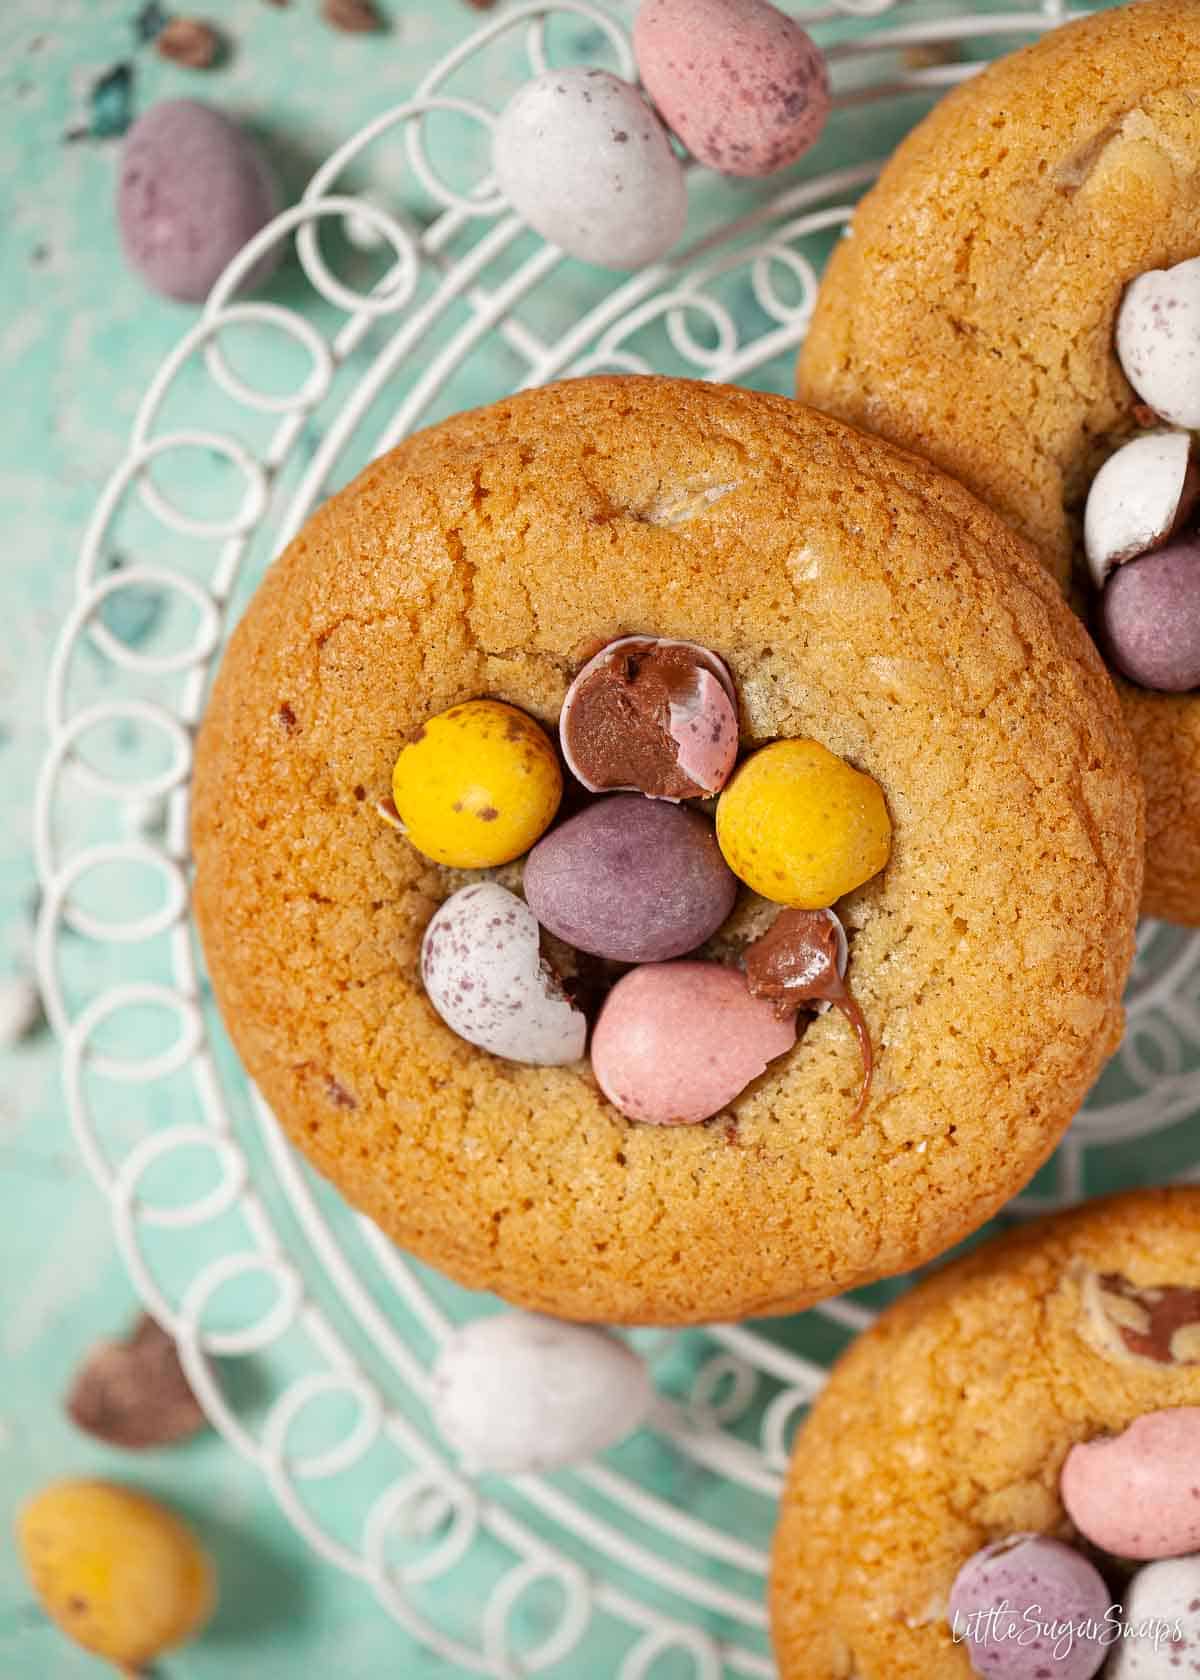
(970, 313)
(945, 1427)
(859, 597)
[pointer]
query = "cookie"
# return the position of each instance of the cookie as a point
(858, 597)
(970, 314)
(947, 1426)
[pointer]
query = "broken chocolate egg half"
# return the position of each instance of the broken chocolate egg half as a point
(1139, 500)
(800, 963)
(654, 716)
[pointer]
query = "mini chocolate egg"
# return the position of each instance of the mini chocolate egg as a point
(1023, 1580)
(1138, 500)
(631, 879)
(484, 973)
(1137, 1494)
(1150, 613)
(1158, 340)
(801, 826)
(520, 1392)
(120, 1574)
(652, 716)
(739, 81)
(1163, 1602)
(477, 785)
(193, 188)
(676, 1042)
(582, 157)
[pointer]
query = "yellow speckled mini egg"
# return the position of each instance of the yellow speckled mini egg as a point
(478, 785)
(119, 1573)
(801, 826)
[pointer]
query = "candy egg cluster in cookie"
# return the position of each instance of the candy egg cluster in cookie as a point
(1140, 535)
(1031, 1606)
(635, 881)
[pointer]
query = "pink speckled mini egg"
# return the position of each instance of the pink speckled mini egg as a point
(1137, 1494)
(193, 189)
(677, 1041)
(742, 85)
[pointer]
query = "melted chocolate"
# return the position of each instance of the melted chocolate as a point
(1153, 1318)
(619, 721)
(795, 963)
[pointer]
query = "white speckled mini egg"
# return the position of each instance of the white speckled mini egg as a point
(583, 158)
(1158, 340)
(521, 1392)
(484, 973)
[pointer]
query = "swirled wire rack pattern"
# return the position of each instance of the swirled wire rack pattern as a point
(307, 1336)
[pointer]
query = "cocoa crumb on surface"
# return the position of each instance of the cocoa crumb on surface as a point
(353, 17)
(189, 42)
(134, 1393)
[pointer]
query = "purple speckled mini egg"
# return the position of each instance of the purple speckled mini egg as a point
(743, 86)
(1150, 611)
(483, 972)
(193, 188)
(1030, 1608)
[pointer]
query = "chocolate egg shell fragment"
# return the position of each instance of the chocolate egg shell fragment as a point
(652, 716)
(484, 973)
(1150, 615)
(193, 189)
(1139, 499)
(582, 157)
(1158, 340)
(1155, 1324)
(631, 879)
(743, 86)
(676, 1042)
(800, 963)
(134, 1393)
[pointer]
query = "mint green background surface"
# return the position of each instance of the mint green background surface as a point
(79, 341)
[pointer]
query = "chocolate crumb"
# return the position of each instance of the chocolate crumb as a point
(134, 1393)
(353, 17)
(189, 42)
(287, 718)
(338, 1094)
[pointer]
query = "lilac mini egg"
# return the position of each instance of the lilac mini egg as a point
(193, 188)
(1137, 1494)
(632, 879)
(1030, 1607)
(1150, 611)
(484, 973)
(676, 1042)
(743, 86)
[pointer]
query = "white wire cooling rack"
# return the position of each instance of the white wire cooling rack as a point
(307, 1336)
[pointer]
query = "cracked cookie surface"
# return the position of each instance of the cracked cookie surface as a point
(945, 1427)
(859, 598)
(970, 314)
